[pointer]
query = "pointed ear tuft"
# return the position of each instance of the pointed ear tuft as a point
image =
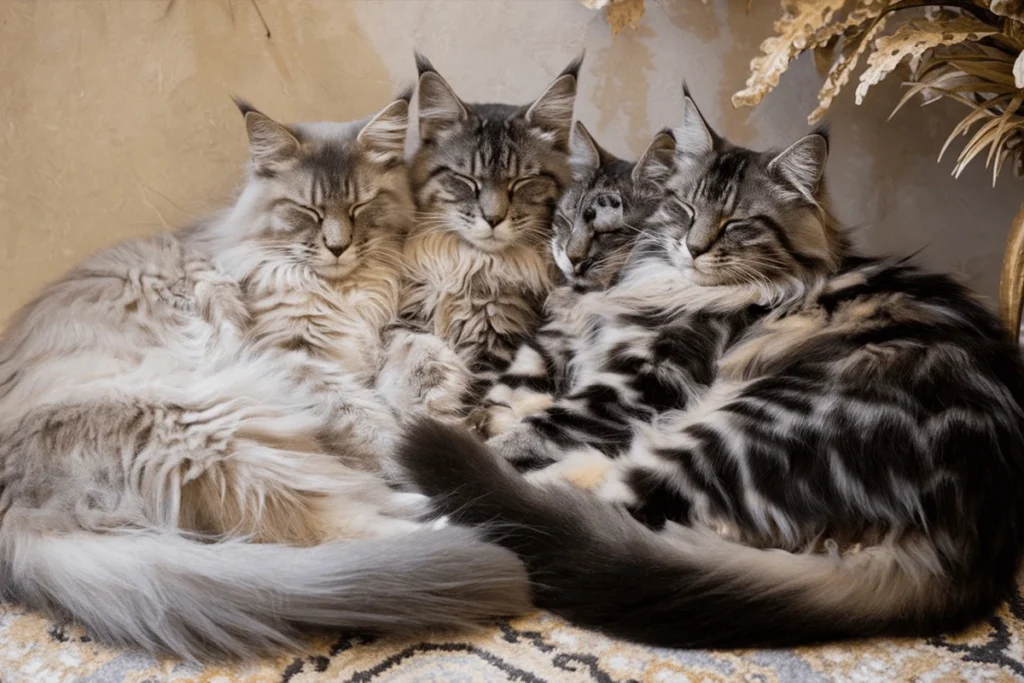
(423, 64)
(384, 136)
(440, 107)
(242, 104)
(822, 129)
(694, 135)
(552, 111)
(573, 68)
(406, 94)
(657, 162)
(271, 145)
(803, 163)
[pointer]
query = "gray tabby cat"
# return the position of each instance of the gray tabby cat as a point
(187, 434)
(486, 179)
(598, 221)
(812, 444)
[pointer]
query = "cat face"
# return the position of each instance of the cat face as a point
(600, 215)
(746, 217)
(332, 194)
(491, 173)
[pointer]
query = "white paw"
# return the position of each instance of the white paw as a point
(422, 374)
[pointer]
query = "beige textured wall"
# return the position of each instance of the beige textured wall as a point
(115, 120)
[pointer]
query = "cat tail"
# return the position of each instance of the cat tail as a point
(591, 563)
(238, 600)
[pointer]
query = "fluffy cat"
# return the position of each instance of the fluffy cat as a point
(184, 421)
(486, 179)
(801, 443)
(595, 227)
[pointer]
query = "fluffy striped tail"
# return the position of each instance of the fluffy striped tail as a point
(594, 565)
(238, 600)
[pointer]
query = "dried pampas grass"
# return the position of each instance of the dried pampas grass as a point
(969, 51)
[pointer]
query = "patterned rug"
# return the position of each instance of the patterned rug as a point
(537, 649)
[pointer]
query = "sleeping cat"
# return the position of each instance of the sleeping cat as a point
(486, 179)
(792, 442)
(595, 227)
(184, 419)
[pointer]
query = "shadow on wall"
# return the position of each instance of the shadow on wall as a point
(117, 120)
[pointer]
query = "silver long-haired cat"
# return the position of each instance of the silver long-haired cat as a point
(188, 440)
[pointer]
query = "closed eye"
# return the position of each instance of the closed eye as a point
(356, 209)
(739, 227)
(296, 214)
(466, 180)
(522, 181)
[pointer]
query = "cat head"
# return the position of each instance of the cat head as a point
(742, 217)
(324, 197)
(601, 215)
(491, 173)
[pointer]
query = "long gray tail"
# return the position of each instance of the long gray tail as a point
(204, 601)
(593, 564)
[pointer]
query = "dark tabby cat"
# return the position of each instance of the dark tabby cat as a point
(486, 180)
(828, 445)
(597, 222)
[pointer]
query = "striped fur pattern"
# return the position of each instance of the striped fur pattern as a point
(189, 444)
(486, 179)
(800, 443)
(598, 221)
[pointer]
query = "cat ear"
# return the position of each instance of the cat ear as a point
(384, 135)
(585, 155)
(694, 135)
(270, 143)
(658, 161)
(552, 111)
(439, 106)
(803, 163)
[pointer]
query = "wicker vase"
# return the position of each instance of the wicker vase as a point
(1011, 284)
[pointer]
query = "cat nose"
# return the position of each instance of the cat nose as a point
(493, 220)
(697, 249)
(336, 249)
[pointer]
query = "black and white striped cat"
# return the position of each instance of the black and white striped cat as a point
(799, 443)
(596, 225)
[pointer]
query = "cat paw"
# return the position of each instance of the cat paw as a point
(490, 420)
(421, 374)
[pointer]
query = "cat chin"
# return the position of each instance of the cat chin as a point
(335, 271)
(491, 245)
